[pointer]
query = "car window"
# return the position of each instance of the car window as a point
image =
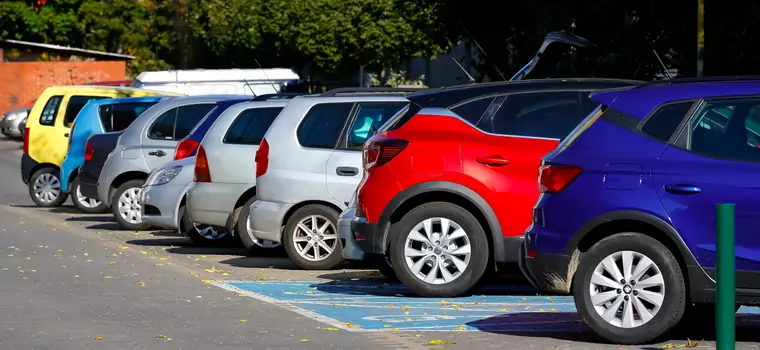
(189, 116)
(163, 127)
(75, 105)
(251, 125)
(472, 111)
(543, 114)
(727, 130)
(118, 117)
(51, 109)
(663, 123)
(369, 118)
(322, 125)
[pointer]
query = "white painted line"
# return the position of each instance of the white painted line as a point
(288, 306)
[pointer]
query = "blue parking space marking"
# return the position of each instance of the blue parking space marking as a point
(360, 306)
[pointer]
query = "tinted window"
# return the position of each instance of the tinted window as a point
(118, 117)
(727, 130)
(188, 117)
(251, 125)
(472, 111)
(50, 110)
(665, 120)
(74, 106)
(369, 118)
(322, 125)
(163, 126)
(545, 114)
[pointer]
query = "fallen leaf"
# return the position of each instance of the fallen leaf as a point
(158, 264)
(97, 337)
(160, 336)
(206, 281)
(33, 270)
(444, 302)
(552, 310)
(143, 252)
(164, 259)
(405, 307)
(692, 344)
(10, 254)
(243, 321)
(86, 254)
(59, 251)
(240, 294)
(225, 274)
(198, 297)
(461, 328)
(108, 277)
(89, 261)
(141, 284)
(435, 342)
(187, 300)
(111, 263)
(333, 329)
(505, 309)
(123, 247)
(304, 340)
(12, 247)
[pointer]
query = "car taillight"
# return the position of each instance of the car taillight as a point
(262, 158)
(185, 148)
(379, 152)
(554, 178)
(202, 173)
(88, 151)
(26, 140)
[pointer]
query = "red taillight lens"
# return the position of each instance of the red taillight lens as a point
(379, 152)
(202, 173)
(26, 140)
(88, 151)
(185, 148)
(554, 178)
(262, 158)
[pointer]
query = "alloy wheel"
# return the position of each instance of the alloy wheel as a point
(47, 187)
(85, 201)
(437, 250)
(129, 205)
(315, 238)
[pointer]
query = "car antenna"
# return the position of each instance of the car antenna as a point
(469, 77)
(265, 76)
(481, 50)
(665, 69)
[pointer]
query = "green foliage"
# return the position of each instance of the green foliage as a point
(397, 79)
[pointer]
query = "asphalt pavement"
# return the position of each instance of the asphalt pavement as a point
(75, 281)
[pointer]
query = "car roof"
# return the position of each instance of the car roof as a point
(91, 88)
(641, 100)
(448, 96)
(110, 101)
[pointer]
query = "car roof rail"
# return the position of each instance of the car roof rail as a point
(277, 96)
(711, 79)
(370, 90)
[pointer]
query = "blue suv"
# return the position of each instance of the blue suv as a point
(626, 217)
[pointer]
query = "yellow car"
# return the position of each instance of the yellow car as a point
(47, 132)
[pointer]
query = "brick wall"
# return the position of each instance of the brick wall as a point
(21, 82)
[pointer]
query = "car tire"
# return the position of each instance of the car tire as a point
(45, 188)
(253, 245)
(127, 198)
(431, 249)
(298, 242)
(84, 204)
(203, 235)
(653, 260)
(383, 264)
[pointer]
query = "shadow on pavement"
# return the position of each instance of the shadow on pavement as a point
(107, 226)
(276, 260)
(94, 218)
(65, 209)
(378, 285)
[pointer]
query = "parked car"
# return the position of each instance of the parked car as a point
(97, 117)
(651, 163)
(111, 83)
(11, 120)
(22, 127)
(225, 170)
(117, 164)
(164, 206)
(47, 131)
(253, 82)
(308, 166)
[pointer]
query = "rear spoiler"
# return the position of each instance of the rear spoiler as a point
(552, 37)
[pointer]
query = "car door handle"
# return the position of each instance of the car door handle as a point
(158, 153)
(66, 135)
(683, 189)
(347, 171)
(492, 160)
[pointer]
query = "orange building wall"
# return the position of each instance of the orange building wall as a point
(21, 82)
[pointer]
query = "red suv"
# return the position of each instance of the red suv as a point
(450, 181)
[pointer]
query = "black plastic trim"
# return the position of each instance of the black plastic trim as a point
(27, 165)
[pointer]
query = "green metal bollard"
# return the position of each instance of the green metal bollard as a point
(725, 275)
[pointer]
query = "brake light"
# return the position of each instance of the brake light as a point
(26, 140)
(185, 148)
(202, 173)
(379, 152)
(88, 151)
(262, 158)
(554, 178)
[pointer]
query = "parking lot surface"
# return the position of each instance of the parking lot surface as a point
(74, 281)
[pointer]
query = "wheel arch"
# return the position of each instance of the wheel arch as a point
(40, 166)
(247, 195)
(300, 205)
(127, 176)
(444, 191)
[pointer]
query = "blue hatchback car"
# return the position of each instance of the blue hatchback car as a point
(626, 218)
(97, 117)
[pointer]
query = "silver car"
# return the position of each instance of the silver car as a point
(148, 143)
(10, 122)
(221, 196)
(308, 167)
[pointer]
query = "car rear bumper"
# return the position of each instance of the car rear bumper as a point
(160, 205)
(351, 250)
(545, 271)
(27, 164)
(212, 203)
(266, 219)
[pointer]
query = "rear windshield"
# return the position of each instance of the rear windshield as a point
(118, 117)
(583, 126)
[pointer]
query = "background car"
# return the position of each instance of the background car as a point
(308, 166)
(10, 122)
(96, 117)
(626, 219)
(224, 184)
